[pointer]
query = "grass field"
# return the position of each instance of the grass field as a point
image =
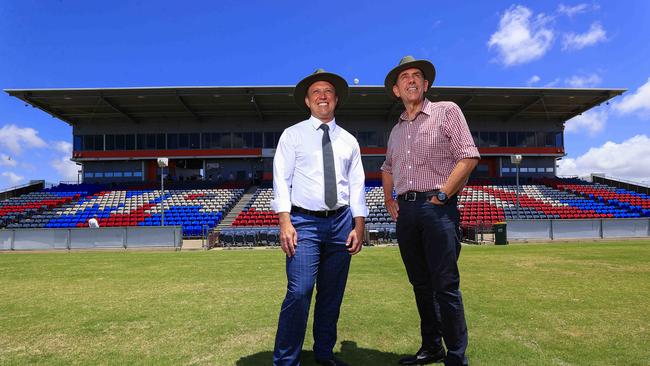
(550, 304)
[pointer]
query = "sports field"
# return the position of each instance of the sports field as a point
(535, 304)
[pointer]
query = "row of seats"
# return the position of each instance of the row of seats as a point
(196, 211)
(639, 202)
(15, 209)
(200, 210)
(249, 237)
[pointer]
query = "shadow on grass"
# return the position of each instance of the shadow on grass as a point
(350, 353)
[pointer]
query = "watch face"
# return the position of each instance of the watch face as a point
(442, 197)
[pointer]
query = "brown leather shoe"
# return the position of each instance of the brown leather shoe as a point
(424, 357)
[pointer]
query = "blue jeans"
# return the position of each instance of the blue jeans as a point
(429, 243)
(322, 259)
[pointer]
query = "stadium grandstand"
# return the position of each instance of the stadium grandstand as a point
(220, 144)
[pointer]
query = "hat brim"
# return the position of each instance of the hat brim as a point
(338, 82)
(425, 66)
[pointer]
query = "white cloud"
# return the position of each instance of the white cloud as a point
(13, 177)
(63, 146)
(553, 83)
(571, 11)
(591, 122)
(67, 169)
(637, 102)
(584, 81)
(6, 160)
(628, 160)
(574, 41)
(521, 37)
(533, 80)
(15, 138)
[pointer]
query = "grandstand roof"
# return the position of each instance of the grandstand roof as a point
(209, 102)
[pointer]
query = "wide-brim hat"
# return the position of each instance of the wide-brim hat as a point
(338, 82)
(408, 62)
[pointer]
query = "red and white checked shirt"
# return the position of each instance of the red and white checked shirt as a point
(422, 152)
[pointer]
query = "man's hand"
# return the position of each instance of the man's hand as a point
(355, 238)
(288, 235)
(435, 201)
(355, 241)
(393, 208)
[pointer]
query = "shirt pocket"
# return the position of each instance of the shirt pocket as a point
(430, 146)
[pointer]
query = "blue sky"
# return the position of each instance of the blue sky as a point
(69, 44)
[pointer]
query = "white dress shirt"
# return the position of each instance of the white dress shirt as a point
(92, 223)
(298, 169)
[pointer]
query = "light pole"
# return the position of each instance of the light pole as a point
(516, 159)
(162, 163)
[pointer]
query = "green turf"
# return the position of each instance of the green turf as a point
(547, 304)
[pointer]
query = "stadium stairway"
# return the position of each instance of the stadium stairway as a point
(234, 212)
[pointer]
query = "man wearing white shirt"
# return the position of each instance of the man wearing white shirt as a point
(319, 196)
(92, 223)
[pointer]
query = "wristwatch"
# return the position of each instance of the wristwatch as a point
(442, 197)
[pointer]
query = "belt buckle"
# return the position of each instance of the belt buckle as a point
(410, 196)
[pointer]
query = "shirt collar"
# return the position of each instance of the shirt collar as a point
(426, 109)
(315, 122)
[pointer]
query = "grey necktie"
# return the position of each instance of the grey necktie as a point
(329, 171)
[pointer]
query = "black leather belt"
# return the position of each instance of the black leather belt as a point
(322, 214)
(412, 196)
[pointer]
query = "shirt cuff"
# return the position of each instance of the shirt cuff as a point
(281, 206)
(467, 153)
(386, 168)
(359, 211)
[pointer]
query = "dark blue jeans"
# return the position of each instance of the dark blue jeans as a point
(321, 258)
(429, 243)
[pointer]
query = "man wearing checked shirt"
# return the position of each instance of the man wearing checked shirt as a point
(429, 158)
(319, 195)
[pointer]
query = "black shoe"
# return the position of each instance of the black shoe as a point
(332, 362)
(424, 357)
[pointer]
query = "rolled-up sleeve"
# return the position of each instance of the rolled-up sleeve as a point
(357, 184)
(387, 166)
(283, 166)
(456, 129)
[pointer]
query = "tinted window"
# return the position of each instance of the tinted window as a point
(195, 141)
(172, 141)
(110, 142)
(77, 143)
(119, 142)
(160, 141)
(183, 141)
(130, 142)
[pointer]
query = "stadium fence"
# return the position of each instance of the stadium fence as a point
(523, 230)
(88, 238)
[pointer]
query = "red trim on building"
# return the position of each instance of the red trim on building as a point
(137, 154)
(521, 150)
(373, 175)
(373, 151)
